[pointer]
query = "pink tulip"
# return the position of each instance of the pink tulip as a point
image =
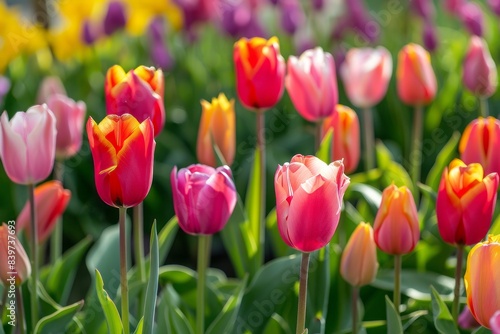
(472, 18)
(366, 74)
(495, 323)
(311, 83)
(69, 123)
(51, 199)
(466, 320)
(204, 198)
(453, 6)
(50, 86)
(20, 261)
(308, 201)
(480, 71)
(28, 144)
(495, 7)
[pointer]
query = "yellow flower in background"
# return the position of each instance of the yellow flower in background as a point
(141, 12)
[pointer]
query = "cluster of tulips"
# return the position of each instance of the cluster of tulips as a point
(309, 191)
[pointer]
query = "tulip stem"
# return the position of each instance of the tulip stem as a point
(355, 295)
(57, 235)
(203, 256)
(317, 137)
(483, 106)
(397, 282)
(34, 258)
(416, 151)
(4, 300)
(261, 144)
(458, 279)
(139, 251)
(123, 269)
(369, 138)
(301, 314)
(20, 310)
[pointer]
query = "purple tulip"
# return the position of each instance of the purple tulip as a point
(115, 18)
(423, 8)
(430, 37)
(292, 16)
(4, 87)
(472, 18)
(495, 6)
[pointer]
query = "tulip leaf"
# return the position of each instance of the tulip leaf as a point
(325, 148)
(394, 325)
(172, 319)
(444, 157)
(59, 320)
(152, 289)
(109, 308)
(392, 172)
(166, 238)
(428, 192)
(482, 330)
(495, 226)
(140, 327)
(442, 317)
(371, 195)
(277, 325)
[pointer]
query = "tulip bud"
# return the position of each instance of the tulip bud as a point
(115, 17)
(466, 320)
(292, 16)
(465, 203)
(423, 8)
(430, 37)
(359, 264)
(472, 18)
(495, 6)
(366, 73)
(217, 127)
(396, 225)
(453, 6)
(345, 142)
(4, 87)
(204, 198)
(309, 197)
(480, 71)
(260, 72)
(482, 280)
(51, 199)
(311, 83)
(416, 81)
(18, 262)
(50, 86)
(495, 323)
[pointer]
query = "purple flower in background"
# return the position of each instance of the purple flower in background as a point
(292, 16)
(196, 11)
(115, 17)
(89, 33)
(318, 4)
(495, 6)
(430, 36)
(159, 53)
(472, 18)
(238, 19)
(466, 320)
(4, 87)
(453, 6)
(360, 20)
(423, 8)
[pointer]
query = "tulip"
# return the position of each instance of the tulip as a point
(480, 72)
(359, 264)
(472, 18)
(260, 72)
(482, 280)
(308, 201)
(453, 6)
(292, 15)
(138, 92)
(465, 203)
(28, 144)
(49, 86)
(396, 224)
(345, 143)
(51, 199)
(115, 17)
(495, 323)
(311, 83)
(122, 149)
(423, 8)
(69, 124)
(17, 264)
(217, 127)
(4, 87)
(466, 320)
(416, 81)
(204, 198)
(495, 6)
(366, 73)
(430, 36)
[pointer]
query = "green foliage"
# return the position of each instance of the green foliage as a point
(109, 308)
(441, 314)
(152, 289)
(394, 325)
(58, 320)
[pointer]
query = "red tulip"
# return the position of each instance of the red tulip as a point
(28, 144)
(260, 72)
(138, 92)
(204, 198)
(479, 143)
(345, 144)
(416, 81)
(465, 203)
(12, 262)
(308, 201)
(396, 224)
(51, 199)
(311, 83)
(122, 149)
(480, 71)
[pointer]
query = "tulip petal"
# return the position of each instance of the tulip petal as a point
(13, 150)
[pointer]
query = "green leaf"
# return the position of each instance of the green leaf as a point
(392, 172)
(227, 318)
(140, 325)
(166, 238)
(325, 148)
(152, 290)
(394, 325)
(59, 320)
(482, 330)
(110, 311)
(371, 195)
(254, 209)
(428, 192)
(448, 152)
(442, 317)
(172, 320)
(277, 325)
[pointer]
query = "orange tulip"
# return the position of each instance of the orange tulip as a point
(15, 266)
(359, 263)
(260, 72)
(217, 126)
(396, 224)
(482, 280)
(51, 199)
(416, 81)
(345, 125)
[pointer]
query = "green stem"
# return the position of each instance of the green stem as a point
(261, 144)
(56, 239)
(34, 258)
(458, 279)
(4, 300)
(317, 136)
(416, 150)
(301, 314)
(397, 282)
(123, 269)
(21, 325)
(139, 252)
(483, 106)
(369, 138)
(203, 249)
(355, 295)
